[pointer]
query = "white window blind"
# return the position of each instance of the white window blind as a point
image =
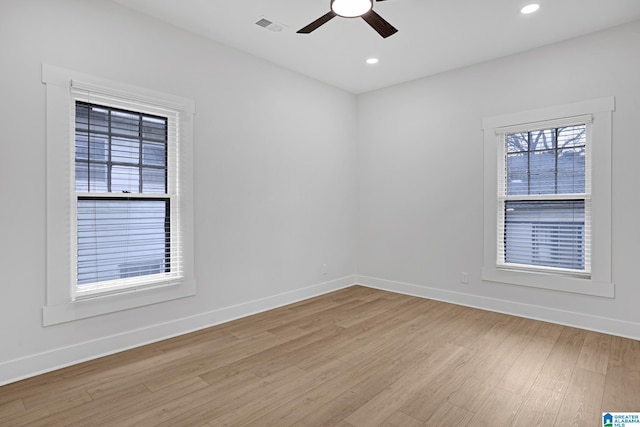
(544, 196)
(125, 214)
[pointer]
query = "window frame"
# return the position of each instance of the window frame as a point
(63, 302)
(504, 197)
(81, 93)
(598, 282)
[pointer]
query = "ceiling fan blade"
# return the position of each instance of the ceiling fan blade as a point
(378, 23)
(317, 23)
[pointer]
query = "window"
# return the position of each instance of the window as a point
(119, 196)
(545, 200)
(124, 229)
(548, 198)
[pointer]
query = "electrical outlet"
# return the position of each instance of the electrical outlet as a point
(324, 269)
(464, 277)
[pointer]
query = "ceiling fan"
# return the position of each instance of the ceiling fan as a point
(353, 9)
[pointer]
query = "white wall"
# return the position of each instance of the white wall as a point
(421, 176)
(275, 185)
(277, 188)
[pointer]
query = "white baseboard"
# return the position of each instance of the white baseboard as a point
(15, 370)
(577, 320)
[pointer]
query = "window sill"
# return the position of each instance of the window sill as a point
(549, 281)
(99, 305)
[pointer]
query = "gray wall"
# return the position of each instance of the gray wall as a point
(420, 221)
(396, 179)
(275, 184)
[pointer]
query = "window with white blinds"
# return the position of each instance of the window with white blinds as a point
(125, 212)
(547, 198)
(544, 197)
(120, 211)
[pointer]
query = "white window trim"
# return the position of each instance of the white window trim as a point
(503, 197)
(60, 304)
(599, 283)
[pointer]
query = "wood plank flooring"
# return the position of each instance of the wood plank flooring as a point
(355, 357)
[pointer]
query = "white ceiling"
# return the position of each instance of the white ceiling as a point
(434, 35)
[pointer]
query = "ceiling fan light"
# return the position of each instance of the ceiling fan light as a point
(530, 8)
(351, 8)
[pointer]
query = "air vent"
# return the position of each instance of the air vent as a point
(270, 25)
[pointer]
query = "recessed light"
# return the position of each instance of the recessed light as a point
(530, 8)
(372, 61)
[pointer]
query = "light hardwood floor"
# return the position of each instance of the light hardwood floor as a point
(355, 357)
